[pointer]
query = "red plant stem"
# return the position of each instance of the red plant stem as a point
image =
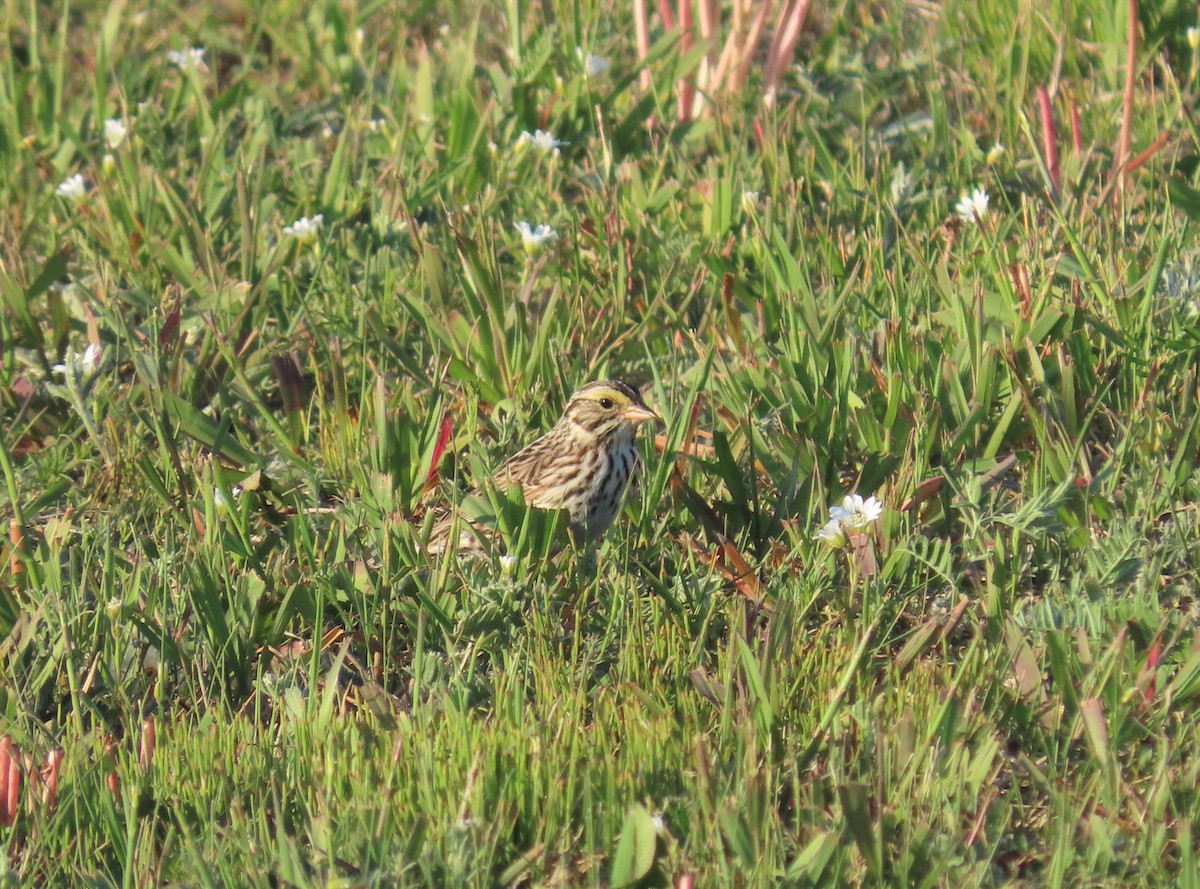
(1076, 128)
(1125, 145)
(10, 781)
(685, 89)
(641, 28)
(1148, 153)
(668, 14)
(146, 753)
(783, 46)
(1049, 139)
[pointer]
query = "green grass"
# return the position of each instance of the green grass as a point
(212, 598)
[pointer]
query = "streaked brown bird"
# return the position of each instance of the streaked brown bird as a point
(583, 465)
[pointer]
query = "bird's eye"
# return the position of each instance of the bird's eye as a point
(606, 403)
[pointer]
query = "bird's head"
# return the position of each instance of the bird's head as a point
(607, 407)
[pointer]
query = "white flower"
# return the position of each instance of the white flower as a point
(832, 533)
(376, 125)
(593, 66)
(901, 187)
(115, 132)
(113, 607)
(972, 207)
(994, 154)
(189, 59)
(508, 564)
(220, 501)
(73, 188)
(80, 365)
(749, 201)
(304, 229)
(541, 140)
(535, 239)
(1193, 37)
(855, 513)
(91, 357)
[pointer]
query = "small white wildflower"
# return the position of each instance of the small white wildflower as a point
(749, 201)
(376, 125)
(660, 825)
(593, 66)
(1193, 37)
(188, 59)
(220, 501)
(972, 207)
(115, 132)
(535, 238)
(304, 229)
(113, 607)
(91, 357)
(508, 564)
(70, 290)
(832, 533)
(901, 187)
(541, 140)
(994, 154)
(73, 188)
(80, 365)
(857, 513)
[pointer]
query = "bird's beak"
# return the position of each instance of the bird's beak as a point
(639, 413)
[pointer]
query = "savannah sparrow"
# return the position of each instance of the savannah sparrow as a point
(582, 465)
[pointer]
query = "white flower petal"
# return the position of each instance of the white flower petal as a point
(593, 66)
(536, 238)
(73, 188)
(190, 58)
(832, 533)
(305, 229)
(972, 207)
(114, 132)
(541, 140)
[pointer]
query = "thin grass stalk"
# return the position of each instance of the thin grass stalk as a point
(1076, 127)
(783, 46)
(1049, 140)
(1125, 143)
(710, 20)
(641, 28)
(1146, 155)
(684, 89)
(729, 52)
(746, 56)
(667, 13)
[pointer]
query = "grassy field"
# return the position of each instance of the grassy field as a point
(286, 308)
